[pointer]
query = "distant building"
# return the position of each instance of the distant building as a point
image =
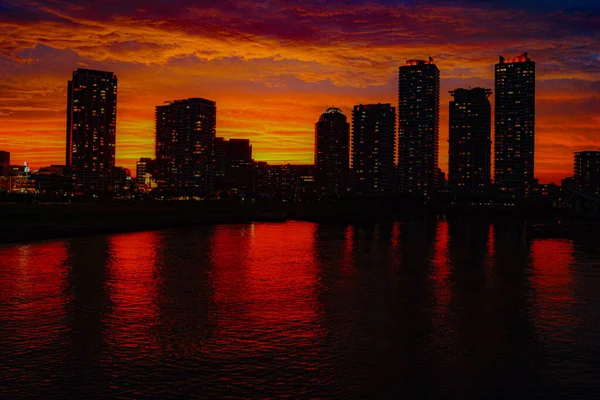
(373, 142)
(287, 182)
(239, 171)
(418, 125)
(142, 167)
(121, 178)
(470, 144)
(264, 181)
(56, 179)
(441, 178)
(61, 170)
(587, 172)
(332, 153)
(91, 127)
(568, 184)
(220, 162)
(4, 164)
(514, 125)
(185, 134)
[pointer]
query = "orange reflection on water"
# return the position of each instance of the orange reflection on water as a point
(265, 293)
(348, 264)
(33, 283)
(441, 269)
(132, 290)
(552, 283)
(490, 254)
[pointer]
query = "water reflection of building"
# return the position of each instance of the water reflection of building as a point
(132, 273)
(89, 303)
(265, 296)
(35, 303)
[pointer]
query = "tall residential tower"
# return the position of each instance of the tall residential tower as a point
(332, 157)
(470, 144)
(418, 125)
(373, 143)
(185, 136)
(91, 127)
(587, 172)
(514, 125)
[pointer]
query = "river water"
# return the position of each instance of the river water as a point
(422, 309)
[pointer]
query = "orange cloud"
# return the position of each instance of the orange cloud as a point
(274, 66)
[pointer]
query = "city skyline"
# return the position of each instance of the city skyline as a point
(271, 85)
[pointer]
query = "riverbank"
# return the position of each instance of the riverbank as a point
(30, 222)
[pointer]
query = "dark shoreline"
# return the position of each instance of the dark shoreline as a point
(22, 223)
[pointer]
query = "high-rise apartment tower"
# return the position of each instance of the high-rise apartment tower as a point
(91, 127)
(418, 125)
(514, 124)
(185, 136)
(373, 144)
(332, 156)
(470, 145)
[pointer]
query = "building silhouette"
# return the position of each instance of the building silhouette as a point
(288, 182)
(587, 172)
(185, 135)
(470, 145)
(332, 154)
(142, 167)
(514, 125)
(373, 145)
(239, 170)
(418, 125)
(91, 127)
(4, 163)
(220, 162)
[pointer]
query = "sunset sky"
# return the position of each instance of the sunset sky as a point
(274, 66)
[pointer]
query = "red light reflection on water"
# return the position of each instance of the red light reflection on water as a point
(441, 271)
(132, 290)
(490, 255)
(348, 264)
(552, 283)
(33, 282)
(264, 287)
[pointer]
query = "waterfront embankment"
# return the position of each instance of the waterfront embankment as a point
(21, 222)
(30, 222)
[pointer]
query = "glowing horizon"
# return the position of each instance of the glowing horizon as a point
(273, 67)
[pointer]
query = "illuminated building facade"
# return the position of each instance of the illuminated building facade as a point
(220, 162)
(332, 156)
(418, 125)
(91, 127)
(514, 125)
(142, 167)
(470, 144)
(587, 172)
(185, 135)
(286, 182)
(373, 145)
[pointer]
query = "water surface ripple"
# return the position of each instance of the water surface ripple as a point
(422, 309)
